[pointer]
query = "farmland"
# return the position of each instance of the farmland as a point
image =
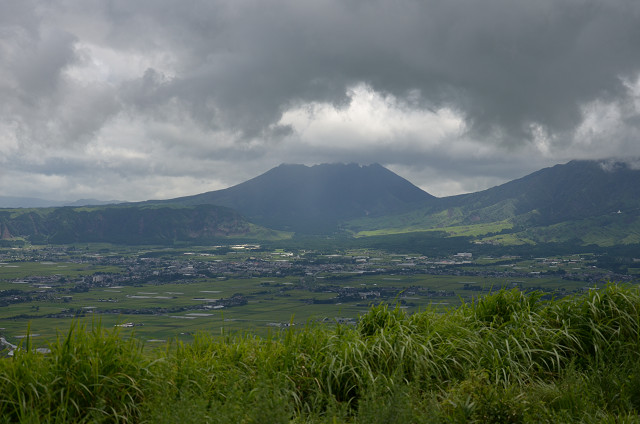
(248, 333)
(173, 293)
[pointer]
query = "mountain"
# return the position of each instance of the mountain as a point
(316, 199)
(33, 202)
(580, 202)
(27, 202)
(584, 201)
(576, 190)
(129, 224)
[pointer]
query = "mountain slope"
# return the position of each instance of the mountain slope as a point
(541, 206)
(315, 199)
(576, 190)
(129, 224)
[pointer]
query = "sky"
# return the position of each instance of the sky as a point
(151, 99)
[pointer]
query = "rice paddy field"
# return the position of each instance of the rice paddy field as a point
(179, 310)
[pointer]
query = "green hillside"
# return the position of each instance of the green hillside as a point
(581, 202)
(130, 224)
(607, 230)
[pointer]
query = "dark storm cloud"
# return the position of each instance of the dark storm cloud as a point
(105, 81)
(505, 65)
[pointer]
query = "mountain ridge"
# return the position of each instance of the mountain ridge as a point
(584, 201)
(577, 189)
(536, 207)
(126, 224)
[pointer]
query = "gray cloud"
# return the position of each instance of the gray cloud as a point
(456, 92)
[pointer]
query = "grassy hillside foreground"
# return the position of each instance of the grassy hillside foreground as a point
(506, 358)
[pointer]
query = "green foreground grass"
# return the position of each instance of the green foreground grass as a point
(505, 358)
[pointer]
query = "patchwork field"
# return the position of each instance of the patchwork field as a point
(162, 294)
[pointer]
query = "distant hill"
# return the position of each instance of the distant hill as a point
(581, 202)
(316, 199)
(576, 190)
(576, 201)
(27, 202)
(34, 202)
(129, 224)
